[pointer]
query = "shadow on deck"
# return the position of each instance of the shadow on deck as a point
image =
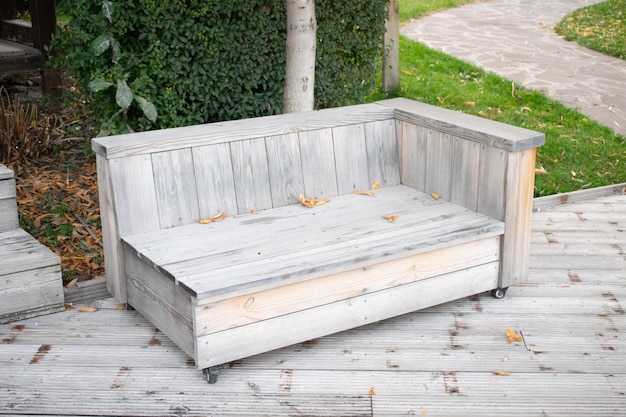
(452, 360)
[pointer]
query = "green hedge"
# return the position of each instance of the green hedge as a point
(211, 60)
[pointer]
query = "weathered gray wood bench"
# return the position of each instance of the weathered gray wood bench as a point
(275, 273)
(30, 273)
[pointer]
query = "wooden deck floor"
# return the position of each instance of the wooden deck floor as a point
(451, 360)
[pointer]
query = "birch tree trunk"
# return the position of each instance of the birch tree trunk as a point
(301, 45)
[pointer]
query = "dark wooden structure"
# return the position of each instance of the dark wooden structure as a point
(22, 43)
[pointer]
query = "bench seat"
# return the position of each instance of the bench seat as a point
(245, 272)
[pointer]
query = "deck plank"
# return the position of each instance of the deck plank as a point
(438, 361)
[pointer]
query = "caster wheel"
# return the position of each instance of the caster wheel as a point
(211, 374)
(499, 293)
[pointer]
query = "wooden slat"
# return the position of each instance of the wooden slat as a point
(175, 187)
(464, 175)
(438, 163)
(8, 203)
(214, 180)
(519, 189)
(414, 156)
(133, 191)
(158, 299)
(351, 159)
(484, 131)
(251, 176)
(382, 152)
(491, 182)
(285, 169)
(257, 306)
(286, 237)
(201, 135)
(437, 361)
(296, 327)
(318, 156)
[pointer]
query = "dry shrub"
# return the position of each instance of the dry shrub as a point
(25, 132)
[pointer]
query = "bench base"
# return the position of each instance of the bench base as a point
(295, 274)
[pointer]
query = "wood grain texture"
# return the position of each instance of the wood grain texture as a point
(318, 163)
(294, 243)
(438, 360)
(175, 188)
(286, 181)
(488, 132)
(233, 131)
(382, 152)
(438, 164)
(158, 299)
(251, 175)
(351, 159)
(305, 325)
(414, 154)
(520, 187)
(214, 180)
(262, 305)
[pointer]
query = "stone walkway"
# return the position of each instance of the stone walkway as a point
(515, 39)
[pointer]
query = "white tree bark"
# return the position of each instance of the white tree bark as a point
(301, 45)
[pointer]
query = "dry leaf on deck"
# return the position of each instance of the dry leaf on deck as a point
(85, 309)
(217, 218)
(372, 392)
(376, 186)
(368, 193)
(435, 196)
(71, 283)
(120, 307)
(513, 336)
(310, 202)
(501, 373)
(391, 218)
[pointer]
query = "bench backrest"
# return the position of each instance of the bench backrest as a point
(156, 180)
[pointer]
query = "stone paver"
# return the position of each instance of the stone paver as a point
(515, 39)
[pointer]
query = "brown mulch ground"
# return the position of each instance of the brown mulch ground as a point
(57, 195)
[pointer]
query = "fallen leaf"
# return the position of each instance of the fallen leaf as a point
(372, 392)
(540, 171)
(376, 186)
(213, 219)
(506, 358)
(435, 196)
(441, 100)
(469, 103)
(310, 202)
(85, 309)
(368, 193)
(71, 283)
(513, 336)
(391, 218)
(120, 307)
(501, 373)
(247, 214)
(407, 72)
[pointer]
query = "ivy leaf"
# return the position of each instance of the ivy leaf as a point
(124, 95)
(107, 10)
(99, 84)
(115, 49)
(148, 109)
(99, 45)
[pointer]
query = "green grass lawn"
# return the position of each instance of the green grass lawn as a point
(579, 152)
(601, 27)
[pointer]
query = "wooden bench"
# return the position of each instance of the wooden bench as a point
(274, 272)
(30, 273)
